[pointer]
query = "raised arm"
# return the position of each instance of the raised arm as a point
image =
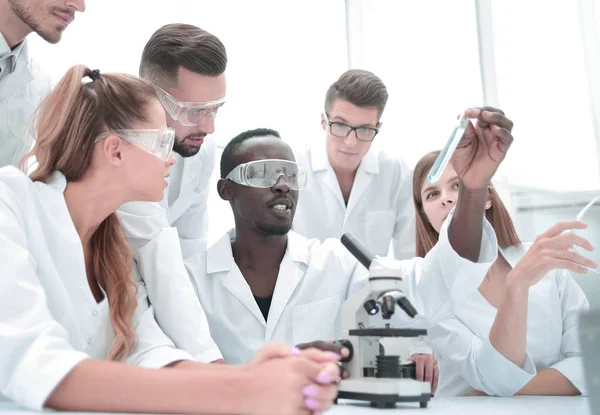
(476, 160)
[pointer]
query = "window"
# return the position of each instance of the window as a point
(427, 55)
(543, 85)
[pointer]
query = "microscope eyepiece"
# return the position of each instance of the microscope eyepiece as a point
(388, 305)
(407, 307)
(371, 307)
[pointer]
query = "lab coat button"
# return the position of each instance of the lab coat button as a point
(95, 313)
(90, 341)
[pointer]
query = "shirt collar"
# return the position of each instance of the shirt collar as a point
(220, 256)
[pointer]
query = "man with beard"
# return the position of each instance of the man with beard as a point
(186, 65)
(262, 282)
(22, 83)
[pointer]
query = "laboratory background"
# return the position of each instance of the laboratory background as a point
(538, 60)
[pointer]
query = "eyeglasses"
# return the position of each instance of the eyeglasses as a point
(342, 130)
(188, 113)
(266, 173)
(158, 142)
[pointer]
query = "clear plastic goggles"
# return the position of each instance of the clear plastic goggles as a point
(156, 142)
(266, 173)
(188, 113)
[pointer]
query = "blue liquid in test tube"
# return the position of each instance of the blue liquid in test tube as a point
(446, 154)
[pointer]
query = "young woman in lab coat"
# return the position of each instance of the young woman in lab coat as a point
(71, 314)
(518, 333)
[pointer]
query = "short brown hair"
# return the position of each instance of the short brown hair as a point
(178, 45)
(427, 237)
(358, 87)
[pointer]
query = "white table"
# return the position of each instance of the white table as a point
(535, 405)
(521, 405)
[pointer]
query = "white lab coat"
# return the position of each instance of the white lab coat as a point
(159, 254)
(314, 280)
(468, 361)
(49, 319)
(380, 209)
(20, 94)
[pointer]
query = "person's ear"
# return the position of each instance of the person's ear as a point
(112, 147)
(488, 204)
(225, 189)
(323, 122)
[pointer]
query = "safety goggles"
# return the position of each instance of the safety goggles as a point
(188, 113)
(157, 142)
(266, 173)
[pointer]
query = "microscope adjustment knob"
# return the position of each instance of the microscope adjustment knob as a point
(348, 345)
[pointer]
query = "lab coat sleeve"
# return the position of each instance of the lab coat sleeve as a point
(404, 236)
(192, 225)
(154, 349)
(477, 361)
(418, 346)
(437, 284)
(176, 307)
(573, 302)
(35, 348)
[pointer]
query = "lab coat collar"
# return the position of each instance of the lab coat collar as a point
(21, 74)
(219, 257)
(57, 182)
(220, 260)
(367, 170)
(513, 254)
(320, 159)
(4, 48)
(21, 53)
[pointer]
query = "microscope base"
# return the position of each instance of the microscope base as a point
(385, 393)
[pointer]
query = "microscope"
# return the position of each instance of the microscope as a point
(374, 377)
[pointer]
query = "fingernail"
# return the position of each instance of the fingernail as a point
(309, 391)
(345, 352)
(295, 351)
(333, 355)
(324, 377)
(486, 113)
(311, 403)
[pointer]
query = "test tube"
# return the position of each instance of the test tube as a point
(446, 154)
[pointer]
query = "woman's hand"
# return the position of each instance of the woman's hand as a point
(286, 380)
(551, 250)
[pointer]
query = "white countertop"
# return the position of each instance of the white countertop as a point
(525, 405)
(521, 405)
